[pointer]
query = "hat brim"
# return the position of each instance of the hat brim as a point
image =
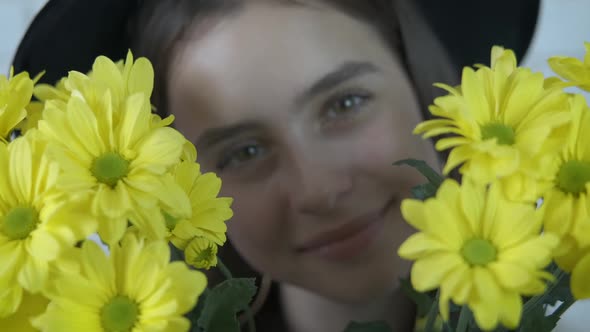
(68, 35)
(468, 29)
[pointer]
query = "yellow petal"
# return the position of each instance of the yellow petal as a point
(485, 285)
(447, 143)
(472, 203)
(136, 122)
(97, 267)
(510, 275)
(10, 300)
(458, 283)
(112, 229)
(188, 285)
(142, 279)
(474, 96)
(174, 197)
(175, 324)
(579, 279)
(485, 305)
(21, 169)
(558, 213)
(106, 72)
(457, 156)
(159, 150)
(33, 275)
(150, 223)
(524, 92)
(141, 78)
(113, 202)
(511, 306)
(413, 213)
(44, 246)
(420, 245)
(428, 273)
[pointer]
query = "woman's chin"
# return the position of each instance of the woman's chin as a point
(356, 287)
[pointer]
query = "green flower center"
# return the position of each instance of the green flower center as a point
(170, 221)
(205, 255)
(110, 168)
(504, 134)
(573, 176)
(478, 252)
(119, 315)
(19, 222)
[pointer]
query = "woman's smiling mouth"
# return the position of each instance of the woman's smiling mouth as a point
(350, 239)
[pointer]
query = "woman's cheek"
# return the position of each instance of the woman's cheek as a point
(381, 142)
(253, 230)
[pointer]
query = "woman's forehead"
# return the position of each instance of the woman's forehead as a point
(271, 51)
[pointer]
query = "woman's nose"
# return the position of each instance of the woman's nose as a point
(317, 188)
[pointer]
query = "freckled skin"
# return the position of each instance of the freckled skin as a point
(306, 169)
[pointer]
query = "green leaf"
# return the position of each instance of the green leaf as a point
(559, 292)
(194, 314)
(368, 327)
(433, 177)
(536, 321)
(422, 300)
(223, 302)
(534, 311)
(424, 191)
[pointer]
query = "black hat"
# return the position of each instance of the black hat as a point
(70, 34)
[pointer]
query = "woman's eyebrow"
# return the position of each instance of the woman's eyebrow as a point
(214, 136)
(343, 73)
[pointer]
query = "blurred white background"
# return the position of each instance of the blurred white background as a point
(15, 16)
(562, 28)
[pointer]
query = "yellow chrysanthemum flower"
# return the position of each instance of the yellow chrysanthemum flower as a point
(189, 152)
(34, 228)
(58, 94)
(201, 253)
(15, 95)
(572, 69)
(501, 124)
(117, 165)
(122, 79)
(480, 249)
(135, 289)
(568, 201)
(207, 214)
(21, 321)
(34, 114)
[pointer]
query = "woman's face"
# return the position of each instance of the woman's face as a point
(302, 111)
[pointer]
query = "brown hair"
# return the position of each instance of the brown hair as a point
(160, 27)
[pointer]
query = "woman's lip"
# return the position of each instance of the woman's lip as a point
(349, 239)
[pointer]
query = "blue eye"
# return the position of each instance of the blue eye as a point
(240, 155)
(344, 106)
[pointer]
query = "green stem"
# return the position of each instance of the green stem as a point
(464, 318)
(564, 306)
(541, 299)
(223, 269)
(534, 301)
(432, 314)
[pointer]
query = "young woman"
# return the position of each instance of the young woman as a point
(301, 107)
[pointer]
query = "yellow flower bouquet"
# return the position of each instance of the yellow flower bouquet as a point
(512, 239)
(88, 156)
